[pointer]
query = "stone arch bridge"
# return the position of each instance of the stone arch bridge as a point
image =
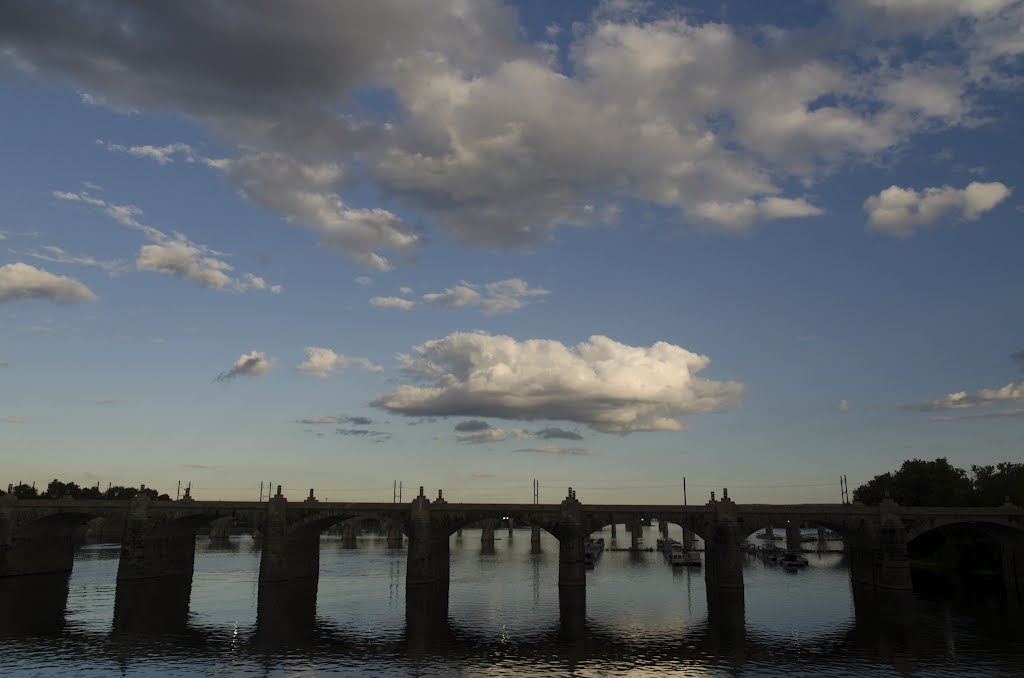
(158, 538)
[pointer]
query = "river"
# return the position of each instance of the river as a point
(641, 617)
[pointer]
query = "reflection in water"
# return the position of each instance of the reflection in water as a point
(502, 615)
(33, 604)
(152, 606)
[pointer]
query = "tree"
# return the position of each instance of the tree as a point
(920, 483)
(24, 491)
(993, 485)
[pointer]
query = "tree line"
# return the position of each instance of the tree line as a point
(939, 483)
(58, 490)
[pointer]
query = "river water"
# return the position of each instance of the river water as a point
(641, 617)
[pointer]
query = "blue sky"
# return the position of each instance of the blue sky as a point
(469, 244)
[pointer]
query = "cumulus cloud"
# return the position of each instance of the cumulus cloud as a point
(477, 432)
(606, 385)
(251, 364)
(482, 131)
(304, 192)
(22, 282)
(1012, 392)
(394, 303)
(321, 362)
(740, 215)
(900, 212)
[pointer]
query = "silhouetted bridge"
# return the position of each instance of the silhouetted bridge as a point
(158, 540)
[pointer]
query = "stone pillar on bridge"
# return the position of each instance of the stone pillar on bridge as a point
(793, 536)
(154, 574)
(822, 539)
(878, 553)
(613, 529)
(571, 533)
(534, 539)
(487, 538)
(687, 538)
(394, 529)
(894, 570)
(723, 566)
(511, 522)
(635, 532)
(427, 563)
(289, 552)
(349, 534)
(663, 526)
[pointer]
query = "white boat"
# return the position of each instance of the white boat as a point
(687, 558)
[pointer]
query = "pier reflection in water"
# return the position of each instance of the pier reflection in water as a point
(503, 613)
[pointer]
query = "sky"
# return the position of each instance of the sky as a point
(466, 244)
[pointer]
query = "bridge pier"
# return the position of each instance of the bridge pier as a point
(1013, 565)
(878, 558)
(822, 538)
(793, 536)
(534, 539)
(723, 559)
(687, 538)
(394, 529)
(427, 563)
(572, 570)
(349, 534)
(635, 532)
(288, 553)
(154, 573)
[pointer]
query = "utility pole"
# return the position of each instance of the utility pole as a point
(684, 490)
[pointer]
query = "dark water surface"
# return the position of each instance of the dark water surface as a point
(641, 618)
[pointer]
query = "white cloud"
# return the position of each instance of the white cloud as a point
(320, 362)
(485, 133)
(843, 405)
(496, 298)
(740, 215)
(305, 192)
(251, 364)
(1011, 392)
(364, 280)
(900, 212)
(396, 303)
(163, 155)
(602, 383)
(173, 255)
(13, 420)
(476, 432)
(22, 282)
(184, 260)
(405, 290)
(44, 329)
